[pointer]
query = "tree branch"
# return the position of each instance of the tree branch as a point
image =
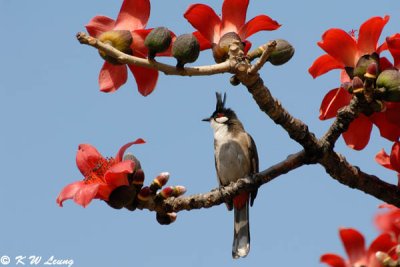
(224, 67)
(226, 193)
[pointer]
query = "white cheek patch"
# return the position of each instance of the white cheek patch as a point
(221, 119)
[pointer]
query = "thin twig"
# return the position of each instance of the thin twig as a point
(270, 47)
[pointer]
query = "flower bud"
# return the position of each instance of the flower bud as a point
(185, 49)
(363, 63)
(179, 190)
(372, 71)
(119, 39)
(159, 181)
(221, 50)
(166, 218)
(138, 179)
(390, 81)
(158, 40)
(121, 196)
(145, 194)
(282, 53)
(357, 85)
(167, 192)
(130, 156)
(234, 80)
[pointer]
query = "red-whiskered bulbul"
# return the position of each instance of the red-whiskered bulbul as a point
(235, 157)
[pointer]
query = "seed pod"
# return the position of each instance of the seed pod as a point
(119, 39)
(221, 50)
(282, 53)
(390, 81)
(185, 49)
(157, 41)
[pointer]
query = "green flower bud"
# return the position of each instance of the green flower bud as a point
(185, 49)
(119, 39)
(157, 41)
(363, 63)
(282, 53)
(130, 156)
(390, 81)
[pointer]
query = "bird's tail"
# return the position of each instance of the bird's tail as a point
(241, 232)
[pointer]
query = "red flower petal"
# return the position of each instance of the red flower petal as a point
(87, 158)
(120, 154)
(369, 34)
(393, 43)
(146, 79)
(332, 102)
(354, 244)
(204, 19)
(86, 194)
(387, 128)
(138, 47)
(204, 43)
(99, 24)
(359, 132)
(340, 45)
(323, 64)
(385, 64)
(117, 174)
(383, 159)
(382, 243)
(69, 192)
(333, 260)
(133, 15)
(258, 23)
(395, 156)
(233, 15)
(111, 77)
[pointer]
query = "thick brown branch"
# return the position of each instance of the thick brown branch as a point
(338, 168)
(343, 119)
(296, 129)
(226, 193)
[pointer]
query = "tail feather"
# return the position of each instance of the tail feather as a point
(241, 232)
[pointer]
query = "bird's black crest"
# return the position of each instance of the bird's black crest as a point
(220, 102)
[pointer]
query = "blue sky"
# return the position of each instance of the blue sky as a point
(50, 103)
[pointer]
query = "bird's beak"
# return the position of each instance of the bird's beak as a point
(206, 119)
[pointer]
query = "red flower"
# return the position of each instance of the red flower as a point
(389, 222)
(211, 27)
(344, 50)
(354, 244)
(132, 17)
(102, 175)
(393, 44)
(391, 162)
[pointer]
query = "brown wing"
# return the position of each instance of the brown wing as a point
(254, 164)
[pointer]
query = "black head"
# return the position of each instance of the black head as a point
(221, 114)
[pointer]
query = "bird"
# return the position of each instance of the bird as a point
(236, 157)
